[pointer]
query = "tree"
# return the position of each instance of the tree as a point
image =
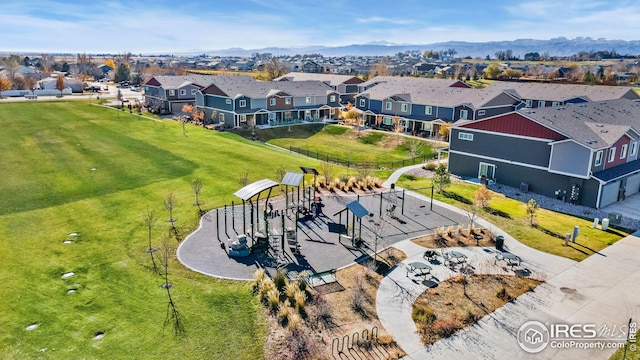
(512, 73)
(482, 196)
(492, 71)
(10, 65)
(441, 178)
(532, 56)
(110, 63)
(4, 85)
(431, 54)
(444, 131)
(31, 84)
(60, 84)
(589, 77)
(381, 69)
(398, 127)
(123, 73)
(274, 68)
(19, 83)
(532, 209)
(149, 220)
(173, 317)
(196, 186)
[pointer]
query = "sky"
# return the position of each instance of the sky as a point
(163, 26)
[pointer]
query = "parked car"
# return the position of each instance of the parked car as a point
(134, 88)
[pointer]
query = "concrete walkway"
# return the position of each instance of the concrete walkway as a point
(599, 290)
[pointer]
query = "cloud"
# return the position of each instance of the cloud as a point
(377, 19)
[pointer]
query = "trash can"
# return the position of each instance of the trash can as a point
(499, 242)
(605, 224)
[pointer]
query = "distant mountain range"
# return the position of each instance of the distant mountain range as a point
(555, 47)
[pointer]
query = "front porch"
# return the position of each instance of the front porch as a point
(286, 117)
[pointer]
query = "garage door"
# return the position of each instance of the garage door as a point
(609, 193)
(176, 107)
(633, 184)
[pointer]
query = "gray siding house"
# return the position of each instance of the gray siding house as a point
(167, 94)
(585, 153)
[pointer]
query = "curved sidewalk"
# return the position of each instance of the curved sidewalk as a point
(602, 292)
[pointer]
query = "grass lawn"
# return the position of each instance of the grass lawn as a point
(510, 216)
(349, 144)
(49, 190)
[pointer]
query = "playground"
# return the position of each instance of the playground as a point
(304, 229)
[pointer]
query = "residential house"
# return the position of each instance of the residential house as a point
(312, 67)
(168, 94)
(345, 85)
(585, 153)
(537, 95)
(76, 85)
(236, 101)
(422, 105)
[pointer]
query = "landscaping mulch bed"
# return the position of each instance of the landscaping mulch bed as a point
(454, 236)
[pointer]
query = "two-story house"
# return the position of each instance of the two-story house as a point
(345, 85)
(584, 153)
(421, 106)
(238, 101)
(537, 95)
(167, 94)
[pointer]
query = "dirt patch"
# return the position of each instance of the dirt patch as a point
(456, 236)
(334, 314)
(460, 302)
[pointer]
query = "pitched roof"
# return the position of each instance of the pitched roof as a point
(441, 83)
(263, 89)
(440, 95)
(564, 92)
(331, 79)
(594, 124)
(201, 81)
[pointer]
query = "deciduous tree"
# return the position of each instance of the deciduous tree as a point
(441, 178)
(492, 71)
(274, 68)
(123, 73)
(60, 84)
(532, 210)
(4, 85)
(482, 196)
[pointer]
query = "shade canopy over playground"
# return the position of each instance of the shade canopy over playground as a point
(255, 188)
(292, 179)
(356, 208)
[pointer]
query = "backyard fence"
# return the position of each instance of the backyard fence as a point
(360, 164)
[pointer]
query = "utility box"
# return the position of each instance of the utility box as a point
(524, 186)
(605, 224)
(576, 231)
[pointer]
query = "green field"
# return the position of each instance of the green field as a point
(49, 190)
(348, 144)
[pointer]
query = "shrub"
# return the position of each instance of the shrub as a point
(320, 312)
(280, 280)
(283, 313)
(458, 279)
(258, 276)
(290, 290)
(386, 340)
(444, 327)
(430, 165)
(502, 294)
(273, 299)
(264, 287)
(449, 231)
(459, 230)
(300, 299)
(423, 314)
(294, 321)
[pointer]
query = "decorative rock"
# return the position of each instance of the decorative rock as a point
(32, 326)
(67, 242)
(99, 335)
(71, 291)
(68, 275)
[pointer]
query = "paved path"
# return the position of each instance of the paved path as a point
(599, 290)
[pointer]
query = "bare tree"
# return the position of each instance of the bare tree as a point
(381, 69)
(149, 220)
(196, 186)
(398, 128)
(60, 84)
(173, 316)
(532, 210)
(415, 148)
(10, 65)
(244, 179)
(274, 68)
(169, 205)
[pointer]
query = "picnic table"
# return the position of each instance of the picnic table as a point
(460, 257)
(419, 268)
(510, 258)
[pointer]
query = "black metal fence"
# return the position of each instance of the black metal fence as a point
(380, 165)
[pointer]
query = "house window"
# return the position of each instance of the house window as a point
(272, 116)
(623, 151)
(634, 148)
(402, 123)
(243, 118)
(426, 126)
(481, 112)
(332, 98)
(363, 103)
(464, 114)
(404, 107)
(242, 103)
(172, 93)
(183, 92)
(308, 100)
(541, 104)
(287, 101)
(529, 103)
(465, 136)
(287, 115)
(221, 118)
(146, 88)
(555, 104)
(388, 105)
(612, 154)
(193, 91)
(599, 156)
(229, 101)
(387, 120)
(272, 102)
(487, 170)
